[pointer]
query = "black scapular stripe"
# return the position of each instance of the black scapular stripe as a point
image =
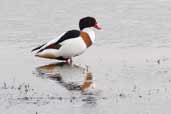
(69, 35)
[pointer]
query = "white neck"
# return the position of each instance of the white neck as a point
(91, 33)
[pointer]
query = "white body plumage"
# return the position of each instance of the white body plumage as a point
(70, 48)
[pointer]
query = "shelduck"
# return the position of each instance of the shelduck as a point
(71, 43)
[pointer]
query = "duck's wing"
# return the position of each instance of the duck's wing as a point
(56, 43)
(37, 48)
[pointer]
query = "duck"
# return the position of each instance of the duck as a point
(71, 43)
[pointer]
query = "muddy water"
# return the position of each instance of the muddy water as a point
(126, 71)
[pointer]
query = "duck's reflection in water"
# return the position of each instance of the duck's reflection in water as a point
(72, 77)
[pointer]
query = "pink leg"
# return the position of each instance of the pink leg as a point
(69, 61)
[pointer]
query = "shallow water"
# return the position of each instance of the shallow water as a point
(127, 70)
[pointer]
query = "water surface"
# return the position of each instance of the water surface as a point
(127, 70)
